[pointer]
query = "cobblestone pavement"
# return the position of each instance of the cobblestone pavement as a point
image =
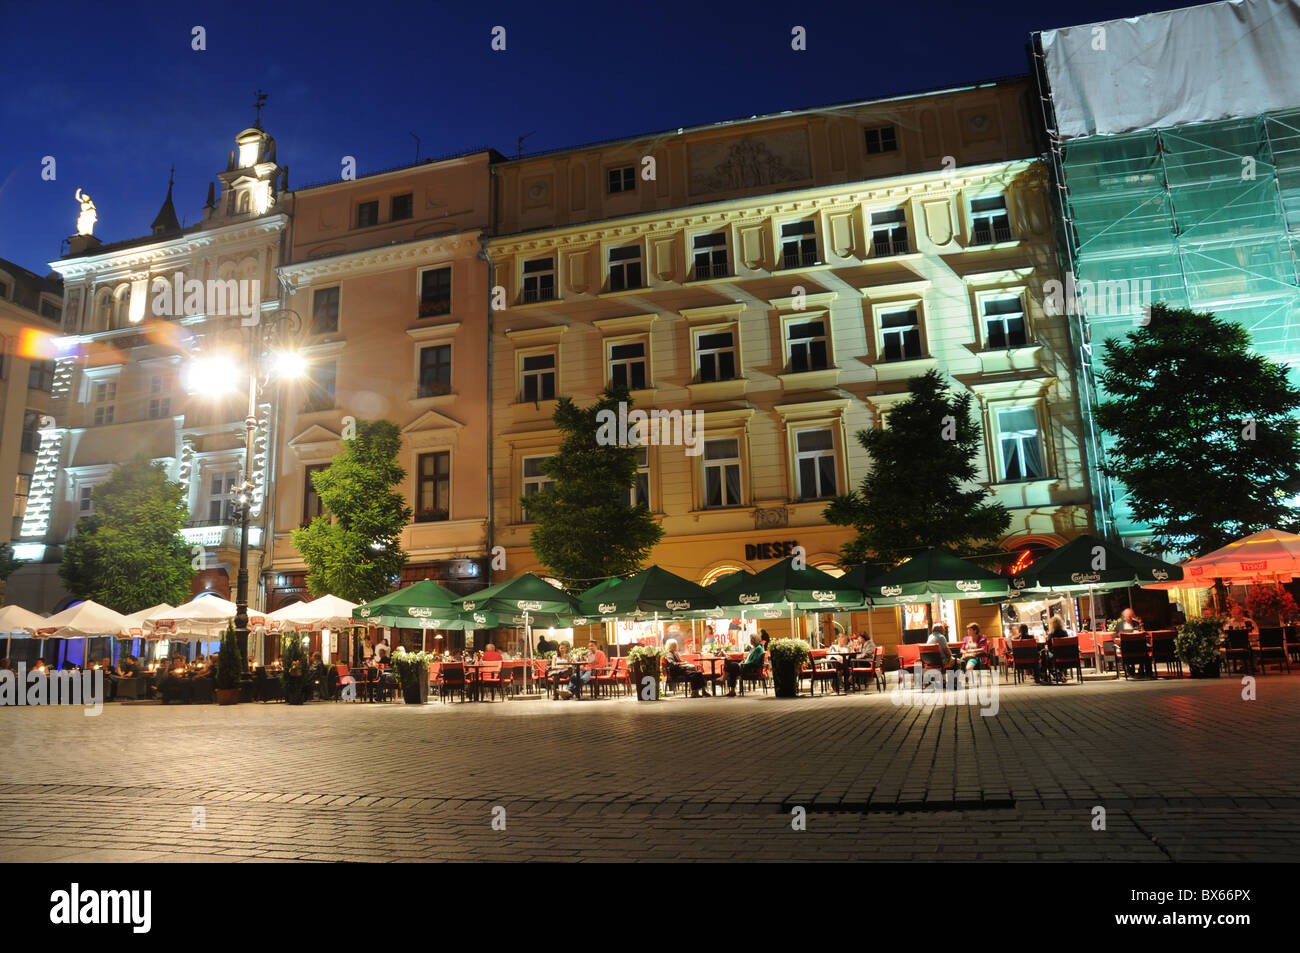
(1185, 770)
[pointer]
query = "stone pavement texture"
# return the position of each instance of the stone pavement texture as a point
(1184, 770)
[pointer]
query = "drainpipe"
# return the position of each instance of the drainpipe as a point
(273, 456)
(491, 434)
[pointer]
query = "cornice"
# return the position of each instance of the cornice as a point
(420, 251)
(143, 256)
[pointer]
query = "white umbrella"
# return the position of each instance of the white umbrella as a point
(327, 612)
(205, 616)
(83, 620)
(141, 620)
(15, 620)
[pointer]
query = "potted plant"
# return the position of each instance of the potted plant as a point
(644, 662)
(1197, 644)
(1270, 604)
(230, 668)
(788, 656)
(294, 673)
(412, 671)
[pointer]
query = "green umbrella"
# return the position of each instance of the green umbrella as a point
(421, 604)
(651, 592)
(784, 587)
(526, 597)
(927, 576)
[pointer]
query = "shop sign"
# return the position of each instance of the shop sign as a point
(771, 550)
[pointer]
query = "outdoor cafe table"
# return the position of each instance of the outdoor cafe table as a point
(845, 661)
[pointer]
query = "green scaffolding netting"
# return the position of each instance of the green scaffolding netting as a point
(1208, 214)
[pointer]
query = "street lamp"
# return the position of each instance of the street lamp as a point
(216, 375)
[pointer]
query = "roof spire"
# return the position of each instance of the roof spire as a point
(261, 102)
(167, 221)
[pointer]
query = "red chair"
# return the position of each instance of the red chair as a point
(1135, 655)
(860, 669)
(452, 680)
(1024, 657)
(347, 684)
(1162, 650)
(931, 656)
(908, 658)
(1065, 655)
(1272, 643)
(489, 679)
(614, 676)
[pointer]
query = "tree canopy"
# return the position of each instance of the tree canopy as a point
(920, 492)
(1203, 430)
(587, 527)
(352, 550)
(130, 554)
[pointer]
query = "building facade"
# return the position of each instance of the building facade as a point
(30, 309)
(132, 312)
(785, 276)
(387, 275)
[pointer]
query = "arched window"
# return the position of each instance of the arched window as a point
(243, 202)
(103, 319)
(121, 307)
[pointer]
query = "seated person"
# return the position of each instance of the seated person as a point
(560, 669)
(752, 666)
(937, 637)
(490, 654)
(1128, 622)
(595, 664)
(974, 649)
(866, 647)
(677, 669)
(841, 646)
(1238, 620)
(1047, 672)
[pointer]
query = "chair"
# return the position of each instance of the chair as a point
(1272, 642)
(512, 678)
(759, 676)
(1066, 656)
(818, 670)
(1135, 655)
(1024, 657)
(1238, 648)
(931, 656)
(1293, 642)
(713, 669)
(452, 679)
(614, 676)
(203, 691)
(861, 670)
(1162, 650)
(909, 654)
(133, 687)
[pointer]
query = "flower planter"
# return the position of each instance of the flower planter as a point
(227, 696)
(646, 691)
(1205, 671)
(417, 694)
(294, 696)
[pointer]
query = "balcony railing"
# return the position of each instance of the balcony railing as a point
(989, 233)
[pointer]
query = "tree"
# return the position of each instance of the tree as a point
(587, 528)
(7, 562)
(130, 554)
(352, 549)
(919, 493)
(1204, 430)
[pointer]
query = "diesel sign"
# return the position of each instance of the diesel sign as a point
(770, 550)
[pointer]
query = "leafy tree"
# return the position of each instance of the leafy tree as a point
(1204, 430)
(130, 554)
(352, 550)
(586, 527)
(7, 562)
(919, 493)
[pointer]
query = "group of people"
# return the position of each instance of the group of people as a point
(972, 654)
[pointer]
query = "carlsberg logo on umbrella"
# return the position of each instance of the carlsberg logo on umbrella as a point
(891, 590)
(420, 612)
(480, 618)
(605, 608)
(527, 606)
(1085, 577)
(820, 596)
(747, 599)
(963, 586)
(469, 606)
(1159, 574)
(678, 603)
(364, 613)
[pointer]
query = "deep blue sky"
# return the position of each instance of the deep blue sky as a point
(114, 92)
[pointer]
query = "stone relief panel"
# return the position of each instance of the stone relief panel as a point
(938, 221)
(751, 162)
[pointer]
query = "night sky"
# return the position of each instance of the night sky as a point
(114, 92)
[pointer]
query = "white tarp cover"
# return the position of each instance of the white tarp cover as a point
(1200, 64)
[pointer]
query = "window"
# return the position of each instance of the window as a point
(435, 370)
(22, 489)
(433, 487)
(622, 180)
(243, 202)
(217, 503)
(435, 292)
(160, 402)
(4, 290)
(624, 268)
(639, 492)
(710, 255)
(722, 472)
(798, 245)
(402, 206)
(989, 220)
(325, 311)
(103, 395)
(716, 355)
(320, 387)
(900, 334)
(535, 481)
(537, 377)
(889, 233)
(539, 280)
(40, 375)
(627, 365)
(815, 462)
(882, 139)
(807, 347)
(31, 442)
(1004, 323)
(86, 501)
(1021, 444)
(368, 214)
(50, 310)
(311, 504)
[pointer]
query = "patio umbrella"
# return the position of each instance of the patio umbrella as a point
(204, 616)
(653, 593)
(139, 626)
(324, 612)
(84, 620)
(1270, 552)
(524, 596)
(15, 620)
(932, 574)
(422, 605)
(782, 586)
(1088, 563)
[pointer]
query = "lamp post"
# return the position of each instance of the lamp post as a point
(215, 376)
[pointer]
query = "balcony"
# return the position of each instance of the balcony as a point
(219, 535)
(986, 232)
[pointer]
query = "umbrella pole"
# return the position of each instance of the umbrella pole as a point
(528, 647)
